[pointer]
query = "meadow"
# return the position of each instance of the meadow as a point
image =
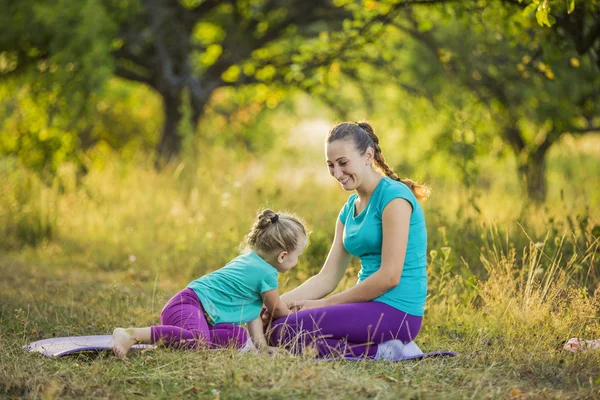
(509, 282)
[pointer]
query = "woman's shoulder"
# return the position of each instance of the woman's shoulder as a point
(390, 185)
(392, 189)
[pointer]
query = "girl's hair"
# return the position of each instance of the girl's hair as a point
(364, 137)
(275, 232)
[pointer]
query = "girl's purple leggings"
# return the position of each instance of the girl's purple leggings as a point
(184, 325)
(344, 330)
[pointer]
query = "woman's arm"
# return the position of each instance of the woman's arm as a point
(395, 224)
(325, 282)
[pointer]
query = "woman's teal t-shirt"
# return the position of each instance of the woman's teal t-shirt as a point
(363, 238)
(232, 294)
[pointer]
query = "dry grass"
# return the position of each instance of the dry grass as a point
(110, 248)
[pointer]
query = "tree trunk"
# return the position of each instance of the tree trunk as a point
(170, 141)
(533, 171)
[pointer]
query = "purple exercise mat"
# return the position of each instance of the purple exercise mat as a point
(62, 346)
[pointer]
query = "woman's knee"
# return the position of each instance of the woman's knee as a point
(288, 330)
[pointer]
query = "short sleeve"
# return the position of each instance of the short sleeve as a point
(269, 282)
(397, 191)
(343, 216)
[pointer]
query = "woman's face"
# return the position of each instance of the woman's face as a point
(346, 164)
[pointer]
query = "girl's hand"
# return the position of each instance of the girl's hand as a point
(265, 316)
(303, 305)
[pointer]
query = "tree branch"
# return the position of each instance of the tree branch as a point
(198, 13)
(133, 76)
(141, 60)
(591, 129)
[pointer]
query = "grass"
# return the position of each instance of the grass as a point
(507, 345)
(82, 255)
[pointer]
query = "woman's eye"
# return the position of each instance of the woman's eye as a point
(343, 163)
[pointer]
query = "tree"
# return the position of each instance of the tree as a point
(537, 83)
(177, 47)
(532, 80)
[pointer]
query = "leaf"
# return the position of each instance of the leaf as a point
(540, 16)
(570, 6)
(530, 9)
(543, 17)
(232, 74)
(425, 25)
(516, 394)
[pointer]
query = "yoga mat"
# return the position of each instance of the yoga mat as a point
(61, 346)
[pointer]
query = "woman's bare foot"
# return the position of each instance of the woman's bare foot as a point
(122, 342)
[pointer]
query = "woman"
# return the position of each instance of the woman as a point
(382, 224)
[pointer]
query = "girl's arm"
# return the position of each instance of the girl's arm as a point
(255, 329)
(274, 305)
(325, 282)
(395, 222)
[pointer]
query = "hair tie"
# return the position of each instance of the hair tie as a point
(275, 218)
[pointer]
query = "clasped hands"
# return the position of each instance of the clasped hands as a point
(294, 307)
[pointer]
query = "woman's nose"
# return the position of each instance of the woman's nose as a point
(336, 172)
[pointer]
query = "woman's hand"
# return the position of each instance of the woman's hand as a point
(294, 308)
(303, 305)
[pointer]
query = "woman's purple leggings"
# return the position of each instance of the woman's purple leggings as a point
(344, 330)
(184, 325)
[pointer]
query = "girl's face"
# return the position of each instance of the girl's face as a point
(346, 164)
(289, 260)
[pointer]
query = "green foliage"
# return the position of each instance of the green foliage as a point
(68, 52)
(500, 77)
(542, 9)
(27, 207)
(42, 132)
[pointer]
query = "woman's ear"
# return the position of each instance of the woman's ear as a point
(281, 257)
(370, 155)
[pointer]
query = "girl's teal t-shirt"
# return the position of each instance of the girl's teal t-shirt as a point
(232, 294)
(363, 238)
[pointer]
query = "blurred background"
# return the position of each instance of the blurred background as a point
(142, 136)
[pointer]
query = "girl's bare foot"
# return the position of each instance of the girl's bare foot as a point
(122, 342)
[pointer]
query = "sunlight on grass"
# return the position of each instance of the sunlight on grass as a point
(85, 253)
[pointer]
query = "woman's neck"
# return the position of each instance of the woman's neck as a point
(368, 185)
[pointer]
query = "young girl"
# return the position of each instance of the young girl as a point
(211, 309)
